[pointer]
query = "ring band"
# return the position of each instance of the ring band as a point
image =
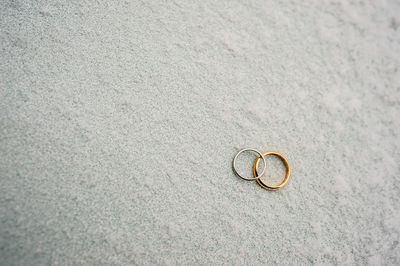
(256, 177)
(260, 182)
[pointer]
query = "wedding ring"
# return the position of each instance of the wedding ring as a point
(256, 177)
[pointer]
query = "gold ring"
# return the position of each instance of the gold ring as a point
(284, 160)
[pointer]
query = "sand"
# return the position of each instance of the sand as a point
(119, 121)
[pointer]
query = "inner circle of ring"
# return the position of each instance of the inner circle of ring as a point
(284, 160)
(256, 177)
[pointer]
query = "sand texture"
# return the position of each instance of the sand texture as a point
(119, 121)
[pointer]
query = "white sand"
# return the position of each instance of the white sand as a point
(119, 121)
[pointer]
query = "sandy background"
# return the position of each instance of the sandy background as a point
(119, 121)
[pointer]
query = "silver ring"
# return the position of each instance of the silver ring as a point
(251, 178)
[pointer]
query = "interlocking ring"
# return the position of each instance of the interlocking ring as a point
(260, 182)
(256, 177)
